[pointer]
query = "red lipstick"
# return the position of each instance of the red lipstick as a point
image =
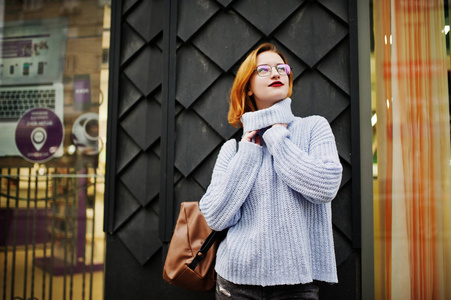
(276, 84)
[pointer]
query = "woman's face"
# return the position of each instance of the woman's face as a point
(271, 89)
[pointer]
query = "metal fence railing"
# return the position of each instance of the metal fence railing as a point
(51, 244)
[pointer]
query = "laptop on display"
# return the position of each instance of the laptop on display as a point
(32, 55)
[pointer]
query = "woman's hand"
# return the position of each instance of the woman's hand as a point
(248, 136)
(283, 124)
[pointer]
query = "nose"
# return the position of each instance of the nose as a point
(274, 73)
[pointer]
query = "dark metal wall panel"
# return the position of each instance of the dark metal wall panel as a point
(176, 61)
(135, 118)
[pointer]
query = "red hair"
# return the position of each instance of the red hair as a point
(240, 102)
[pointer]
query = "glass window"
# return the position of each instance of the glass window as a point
(53, 110)
(411, 147)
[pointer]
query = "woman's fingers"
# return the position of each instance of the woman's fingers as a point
(248, 136)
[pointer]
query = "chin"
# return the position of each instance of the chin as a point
(270, 101)
(280, 98)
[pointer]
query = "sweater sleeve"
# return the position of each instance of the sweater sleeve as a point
(315, 174)
(233, 176)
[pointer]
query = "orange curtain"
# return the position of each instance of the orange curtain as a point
(412, 207)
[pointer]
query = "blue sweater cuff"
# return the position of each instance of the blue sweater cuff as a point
(274, 136)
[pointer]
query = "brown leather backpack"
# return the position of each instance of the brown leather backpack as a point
(190, 261)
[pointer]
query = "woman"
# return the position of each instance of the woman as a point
(273, 190)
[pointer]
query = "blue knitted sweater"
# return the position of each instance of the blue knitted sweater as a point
(276, 201)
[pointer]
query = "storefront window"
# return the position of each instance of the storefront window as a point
(411, 146)
(53, 110)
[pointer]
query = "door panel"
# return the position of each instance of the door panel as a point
(211, 39)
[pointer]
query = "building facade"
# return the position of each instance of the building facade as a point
(92, 176)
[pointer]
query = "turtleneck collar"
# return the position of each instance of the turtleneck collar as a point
(279, 112)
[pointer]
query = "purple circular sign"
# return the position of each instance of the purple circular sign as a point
(39, 134)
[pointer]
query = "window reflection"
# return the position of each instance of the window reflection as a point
(53, 110)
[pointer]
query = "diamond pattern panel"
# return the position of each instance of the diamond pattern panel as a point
(194, 141)
(146, 18)
(203, 173)
(140, 235)
(145, 70)
(315, 26)
(147, 165)
(342, 210)
(213, 106)
(157, 94)
(133, 42)
(127, 4)
(343, 247)
(335, 66)
(126, 205)
(315, 95)
(158, 42)
(213, 38)
(341, 128)
(127, 151)
(269, 15)
(156, 149)
(177, 176)
(155, 206)
(143, 123)
(229, 46)
(129, 95)
(337, 8)
(186, 189)
(347, 173)
(225, 3)
(192, 15)
(195, 73)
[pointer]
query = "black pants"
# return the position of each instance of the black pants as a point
(228, 290)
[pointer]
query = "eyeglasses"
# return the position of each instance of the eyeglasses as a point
(265, 70)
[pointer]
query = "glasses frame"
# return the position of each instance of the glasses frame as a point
(269, 74)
